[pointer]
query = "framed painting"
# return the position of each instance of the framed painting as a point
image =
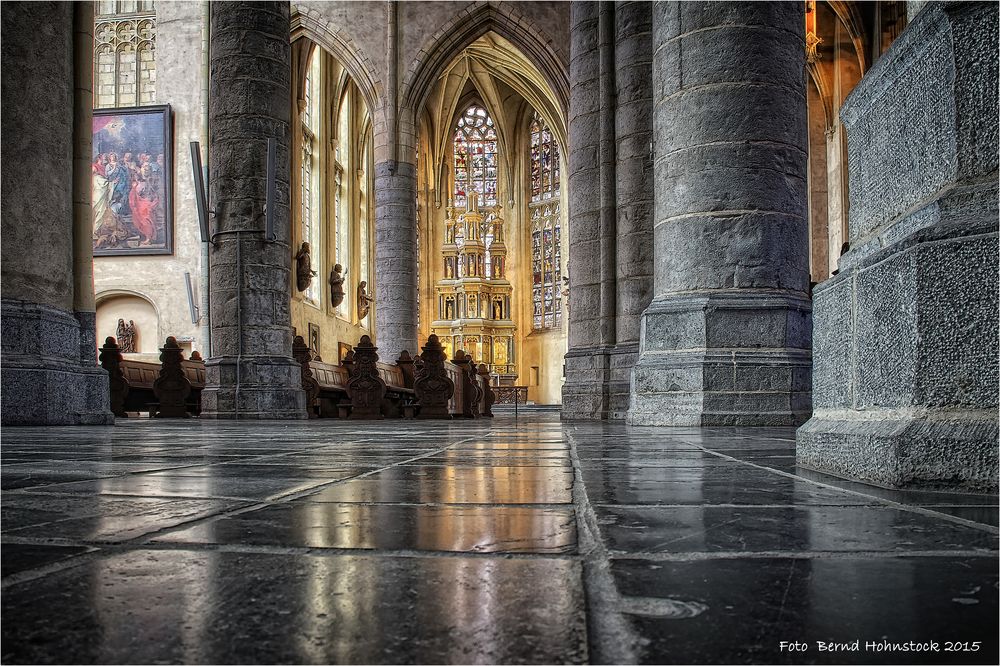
(132, 180)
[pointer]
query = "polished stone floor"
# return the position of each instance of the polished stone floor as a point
(507, 541)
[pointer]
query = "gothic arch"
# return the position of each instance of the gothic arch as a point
(448, 43)
(335, 41)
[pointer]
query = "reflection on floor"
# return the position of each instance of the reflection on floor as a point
(513, 541)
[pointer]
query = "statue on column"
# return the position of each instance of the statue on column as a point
(337, 285)
(364, 300)
(126, 335)
(303, 268)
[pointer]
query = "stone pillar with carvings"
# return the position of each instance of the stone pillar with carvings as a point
(726, 338)
(50, 373)
(251, 374)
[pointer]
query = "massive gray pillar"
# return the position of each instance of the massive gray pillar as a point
(251, 373)
(585, 393)
(395, 259)
(50, 376)
(633, 132)
(905, 376)
(726, 338)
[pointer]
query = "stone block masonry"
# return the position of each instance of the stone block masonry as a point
(726, 338)
(252, 373)
(905, 376)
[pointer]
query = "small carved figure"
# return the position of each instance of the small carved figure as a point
(366, 388)
(111, 360)
(303, 268)
(337, 276)
(432, 385)
(301, 353)
(498, 309)
(488, 396)
(364, 300)
(126, 334)
(172, 387)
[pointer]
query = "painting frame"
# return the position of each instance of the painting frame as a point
(117, 236)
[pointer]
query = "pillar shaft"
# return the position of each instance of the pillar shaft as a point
(726, 338)
(585, 394)
(633, 243)
(50, 376)
(251, 373)
(396, 258)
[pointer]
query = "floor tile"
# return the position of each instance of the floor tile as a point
(471, 529)
(100, 517)
(195, 607)
(739, 610)
(786, 529)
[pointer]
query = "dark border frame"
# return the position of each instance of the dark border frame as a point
(168, 178)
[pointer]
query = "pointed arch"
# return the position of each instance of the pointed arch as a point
(335, 41)
(449, 42)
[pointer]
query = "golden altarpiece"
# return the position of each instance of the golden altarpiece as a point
(474, 297)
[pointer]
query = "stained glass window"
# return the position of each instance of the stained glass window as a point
(124, 53)
(475, 157)
(546, 243)
(544, 161)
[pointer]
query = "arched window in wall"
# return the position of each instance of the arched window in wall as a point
(310, 170)
(475, 157)
(124, 53)
(341, 202)
(544, 212)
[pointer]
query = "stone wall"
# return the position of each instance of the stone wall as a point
(905, 376)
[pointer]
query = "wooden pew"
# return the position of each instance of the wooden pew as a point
(328, 386)
(132, 382)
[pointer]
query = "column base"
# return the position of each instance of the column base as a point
(621, 359)
(723, 359)
(44, 381)
(254, 387)
(585, 393)
(933, 451)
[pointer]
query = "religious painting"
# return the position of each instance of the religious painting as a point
(132, 181)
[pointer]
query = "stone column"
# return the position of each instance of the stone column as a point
(585, 393)
(50, 376)
(905, 377)
(396, 257)
(251, 373)
(726, 338)
(634, 192)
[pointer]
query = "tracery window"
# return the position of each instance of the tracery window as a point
(546, 241)
(342, 222)
(124, 53)
(475, 157)
(310, 171)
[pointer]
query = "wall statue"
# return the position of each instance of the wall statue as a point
(126, 335)
(364, 300)
(303, 268)
(337, 285)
